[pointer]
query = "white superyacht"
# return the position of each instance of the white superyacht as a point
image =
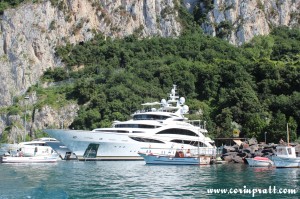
(155, 130)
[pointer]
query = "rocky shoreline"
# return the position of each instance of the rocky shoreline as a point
(249, 149)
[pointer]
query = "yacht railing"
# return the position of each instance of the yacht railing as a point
(198, 123)
(155, 110)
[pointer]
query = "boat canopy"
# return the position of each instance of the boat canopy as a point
(286, 151)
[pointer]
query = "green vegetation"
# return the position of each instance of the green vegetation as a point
(4, 4)
(256, 86)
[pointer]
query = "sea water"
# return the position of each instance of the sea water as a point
(135, 179)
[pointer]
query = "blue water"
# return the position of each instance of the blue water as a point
(134, 179)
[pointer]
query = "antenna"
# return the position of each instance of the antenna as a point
(173, 91)
(288, 136)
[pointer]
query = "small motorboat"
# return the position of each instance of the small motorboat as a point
(35, 159)
(260, 162)
(37, 147)
(286, 157)
(172, 160)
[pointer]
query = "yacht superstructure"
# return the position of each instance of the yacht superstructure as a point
(155, 129)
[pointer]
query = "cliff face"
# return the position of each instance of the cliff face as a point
(239, 21)
(30, 33)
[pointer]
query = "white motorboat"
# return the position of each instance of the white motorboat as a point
(260, 162)
(35, 159)
(163, 125)
(285, 157)
(34, 148)
(35, 151)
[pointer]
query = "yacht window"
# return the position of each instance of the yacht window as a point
(145, 126)
(36, 144)
(178, 132)
(179, 119)
(112, 131)
(289, 151)
(146, 140)
(193, 143)
(150, 117)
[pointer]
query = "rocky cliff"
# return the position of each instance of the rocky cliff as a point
(30, 32)
(240, 20)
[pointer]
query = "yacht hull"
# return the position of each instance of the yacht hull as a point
(87, 145)
(108, 146)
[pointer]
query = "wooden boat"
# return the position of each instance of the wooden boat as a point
(172, 160)
(260, 162)
(36, 159)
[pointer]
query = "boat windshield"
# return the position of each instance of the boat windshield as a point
(140, 139)
(150, 117)
(36, 144)
(110, 131)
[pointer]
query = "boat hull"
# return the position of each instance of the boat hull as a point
(38, 159)
(169, 160)
(260, 163)
(110, 146)
(282, 162)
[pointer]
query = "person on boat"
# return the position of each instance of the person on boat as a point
(181, 155)
(21, 153)
(281, 141)
(35, 150)
(188, 153)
